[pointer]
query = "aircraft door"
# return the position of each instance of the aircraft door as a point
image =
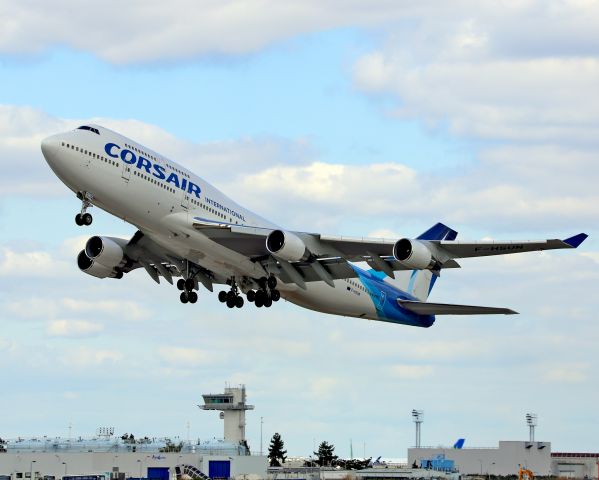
(126, 173)
(84, 156)
(185, 200)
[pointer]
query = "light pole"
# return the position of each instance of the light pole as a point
(139, 461)
(481, 466)
(31, 468)
(488, 473)
(261, 423)
(65, 468)
(417, 417)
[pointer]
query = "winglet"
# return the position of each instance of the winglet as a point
(576, 240)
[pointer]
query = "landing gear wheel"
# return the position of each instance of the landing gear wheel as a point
(222, 296)
(272, 282)
(184, 297)
(261, 296)
(239, 302)
(87, 219)
(275, 295)
(181, 284)
(231, 295)
(258, 302)
(251, 296)
(193, 297)
(189, 284)
(231, 302)
(78, 220)
(268, 302)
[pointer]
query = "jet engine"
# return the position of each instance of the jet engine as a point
(413, 254)
(102, 257)
(287, 246)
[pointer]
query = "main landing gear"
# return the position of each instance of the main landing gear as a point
(84, 218)
(188, 293)
(232, 297)
(266, 294)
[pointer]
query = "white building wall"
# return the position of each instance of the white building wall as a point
(132, 464)
(504, 460)
(573, 466)
(234, 426)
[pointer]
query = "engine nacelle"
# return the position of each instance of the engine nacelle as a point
(413, 254)
(96, 269)
(287, 246)
(104, 250)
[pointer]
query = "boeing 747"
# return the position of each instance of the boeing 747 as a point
(186, 228)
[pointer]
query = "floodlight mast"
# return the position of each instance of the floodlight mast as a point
(531, 421)
(417, 417)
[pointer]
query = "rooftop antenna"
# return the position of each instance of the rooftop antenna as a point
(105, 432)
(417, 417)
(531, 421)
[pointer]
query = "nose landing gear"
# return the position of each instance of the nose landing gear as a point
(84, 218)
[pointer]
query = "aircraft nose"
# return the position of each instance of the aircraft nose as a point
(49, 146)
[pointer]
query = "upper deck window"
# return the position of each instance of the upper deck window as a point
(91, 129)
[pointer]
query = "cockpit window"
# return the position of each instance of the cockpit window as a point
(91, 129)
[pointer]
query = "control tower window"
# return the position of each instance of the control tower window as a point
(91, 129)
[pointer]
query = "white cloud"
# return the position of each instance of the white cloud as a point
(412, 372)
(23, 128)
(125, 310)
(30, 264)
(84, 357)
(73, 328)
(542, 182)
(6, 345)
(184, 356)
(325, 386)
(71, 395)
(566, 373)
(183, 28)
(483, 73)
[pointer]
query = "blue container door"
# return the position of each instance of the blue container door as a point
(219, 469)
(158, 473)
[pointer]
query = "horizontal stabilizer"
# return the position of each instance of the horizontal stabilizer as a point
(426, 308)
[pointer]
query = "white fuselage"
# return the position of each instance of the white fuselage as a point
(161, 198)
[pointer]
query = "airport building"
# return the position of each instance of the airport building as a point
(106, 457)
(505, 459)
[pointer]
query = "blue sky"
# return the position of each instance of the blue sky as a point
(370, 119)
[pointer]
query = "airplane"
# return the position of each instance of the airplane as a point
(187, 228)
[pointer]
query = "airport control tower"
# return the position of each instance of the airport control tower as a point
(232, 407)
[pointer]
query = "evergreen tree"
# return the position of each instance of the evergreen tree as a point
(276, 454)
(326, 454)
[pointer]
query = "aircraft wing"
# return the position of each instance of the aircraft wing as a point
(100, 259)
(328, 255)
(459, 249)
